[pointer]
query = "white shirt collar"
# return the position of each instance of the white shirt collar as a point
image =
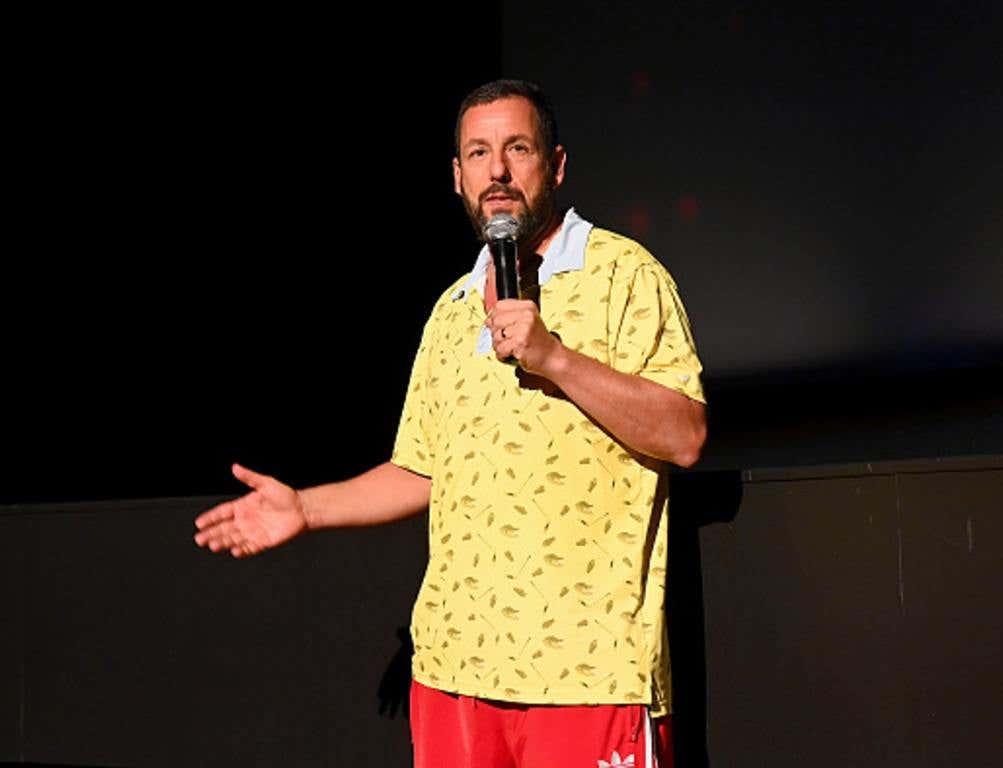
(566, 253)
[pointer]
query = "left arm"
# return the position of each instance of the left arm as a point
(644, 415)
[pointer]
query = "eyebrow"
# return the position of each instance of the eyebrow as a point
(510, 140)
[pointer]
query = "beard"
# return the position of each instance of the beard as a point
(533, 218)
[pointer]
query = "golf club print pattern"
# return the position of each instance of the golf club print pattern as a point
(547, 537)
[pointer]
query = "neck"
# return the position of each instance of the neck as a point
(539, 242)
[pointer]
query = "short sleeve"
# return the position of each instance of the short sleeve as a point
(412, 448)
(650, 333)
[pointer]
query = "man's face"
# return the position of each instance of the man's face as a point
(503, 166)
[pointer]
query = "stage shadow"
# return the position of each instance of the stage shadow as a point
(394, 689)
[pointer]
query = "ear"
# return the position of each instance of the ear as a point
(457, 186)
(558, 162)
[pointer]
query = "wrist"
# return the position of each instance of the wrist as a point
(305, 510)
(557, 361)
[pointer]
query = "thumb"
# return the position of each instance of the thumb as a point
(247, 477)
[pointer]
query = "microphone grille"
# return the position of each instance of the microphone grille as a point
(501, 226)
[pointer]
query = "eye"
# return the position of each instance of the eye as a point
(520, 149)
(477, 152)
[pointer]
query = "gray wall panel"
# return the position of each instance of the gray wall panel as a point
(953, 574)
(850, 616)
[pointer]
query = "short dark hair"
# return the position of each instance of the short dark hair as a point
(503, 89)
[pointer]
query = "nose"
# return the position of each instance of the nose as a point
(499, 168)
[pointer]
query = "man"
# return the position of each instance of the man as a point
(539, 628)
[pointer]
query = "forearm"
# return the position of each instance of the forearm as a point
(383, 494)
(645, 416)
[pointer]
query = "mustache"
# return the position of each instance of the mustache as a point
(500, 189)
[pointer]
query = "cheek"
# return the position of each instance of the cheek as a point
(530, 188)
(470, 183)
(469, 198)
(469, 192)
(532, 181)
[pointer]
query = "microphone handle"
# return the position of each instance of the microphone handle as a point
(505, 253)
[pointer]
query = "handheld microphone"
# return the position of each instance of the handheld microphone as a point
(500, 233)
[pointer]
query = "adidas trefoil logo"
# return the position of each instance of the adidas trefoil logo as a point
(617, 762)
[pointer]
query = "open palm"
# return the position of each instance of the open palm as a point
(272, 513)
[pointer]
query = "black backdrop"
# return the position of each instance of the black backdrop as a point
(822, 179)
(230, 228)
(231, 231)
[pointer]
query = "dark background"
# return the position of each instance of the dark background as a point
(232, 230)
(822, 179)
(231, 227)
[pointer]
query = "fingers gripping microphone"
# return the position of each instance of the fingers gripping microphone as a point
(500, 232)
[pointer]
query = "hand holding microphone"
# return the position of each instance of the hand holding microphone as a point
(500, 232)
(517, 331)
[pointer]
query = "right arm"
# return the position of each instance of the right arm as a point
(383, 494)
(273, 513)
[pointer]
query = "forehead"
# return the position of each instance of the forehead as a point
(499, 119)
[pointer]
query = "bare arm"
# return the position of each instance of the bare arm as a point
(648, 417)
(644, 415)
(383, 494)
(273, 513)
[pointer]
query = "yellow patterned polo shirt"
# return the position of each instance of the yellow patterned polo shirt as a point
(547, 537)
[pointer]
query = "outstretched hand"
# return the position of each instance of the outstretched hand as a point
(272, 513)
